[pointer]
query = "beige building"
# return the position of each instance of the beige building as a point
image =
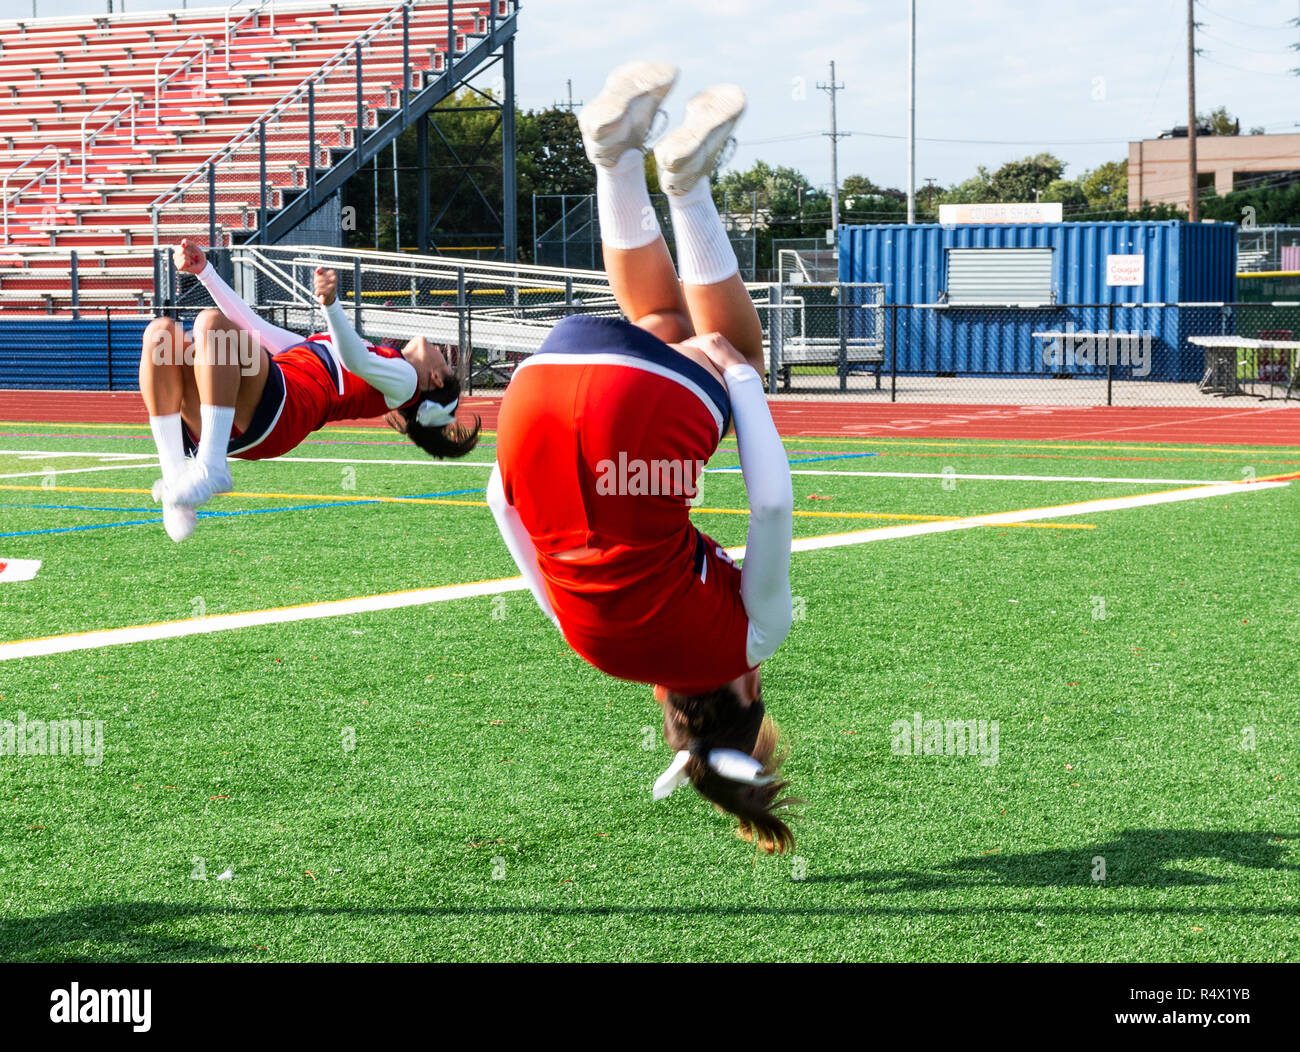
(1157, 168)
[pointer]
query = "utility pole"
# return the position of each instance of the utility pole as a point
(1191, 114)
(835, 137)
(911, 116)
(570, 105)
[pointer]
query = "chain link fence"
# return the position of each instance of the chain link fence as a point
(823, 339)
(566, 229)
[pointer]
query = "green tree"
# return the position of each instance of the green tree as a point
(1023, 180)
(975, 190)
(1220, 121)
(1068, 192)
(1106, 186)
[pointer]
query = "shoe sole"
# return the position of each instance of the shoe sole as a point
(627, 86)
(694, 148)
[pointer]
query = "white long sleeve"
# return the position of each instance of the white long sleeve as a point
(395, 378)
(519, 543)
(272, 337)
(765, 574)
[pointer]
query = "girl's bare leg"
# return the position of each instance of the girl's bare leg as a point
(645, 285)
(641, 272)
(726, 307)
(712, 288)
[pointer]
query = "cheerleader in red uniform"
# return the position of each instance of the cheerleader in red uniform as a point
(238, 386)
(601, 438)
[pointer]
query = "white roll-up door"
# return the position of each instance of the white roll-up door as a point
(999, 275)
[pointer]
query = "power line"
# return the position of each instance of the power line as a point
(1243, 47)
(1244, 69)
(1240, 22)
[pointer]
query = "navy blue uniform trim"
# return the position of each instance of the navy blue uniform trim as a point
(327, 359)
(266, 413)
(590, 334)
(700, 552)
(264, 417)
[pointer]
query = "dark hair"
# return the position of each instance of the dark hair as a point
(453, 440)
(719, 719)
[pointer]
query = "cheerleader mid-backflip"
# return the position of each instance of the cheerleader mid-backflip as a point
(238, 386)
(602, 434)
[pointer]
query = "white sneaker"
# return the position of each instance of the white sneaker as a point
(178, 519)
(199, 484)
(690, 153)
(619, 118)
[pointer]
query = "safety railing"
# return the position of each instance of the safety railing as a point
(159, 80)
(253, 14)
(56, 164)
(300, 104)
(88, 140)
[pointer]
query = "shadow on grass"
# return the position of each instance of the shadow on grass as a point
(1143, 858)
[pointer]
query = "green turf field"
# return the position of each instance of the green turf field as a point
(446, 781)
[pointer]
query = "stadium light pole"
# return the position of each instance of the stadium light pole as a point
(911, 115)
(1191, 114)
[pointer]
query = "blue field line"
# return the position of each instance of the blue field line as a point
(205, 514)
(449, 493)
(149, 438)
(74, 529)
(77, 507)
(810, 460)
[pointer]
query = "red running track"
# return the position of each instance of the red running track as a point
(1215, 423)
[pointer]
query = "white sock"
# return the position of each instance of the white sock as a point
(704, 255)
(171, 446)
(627, 219)
(215, 440)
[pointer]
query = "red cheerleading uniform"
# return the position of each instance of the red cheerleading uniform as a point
(306, 388)
(601, 436)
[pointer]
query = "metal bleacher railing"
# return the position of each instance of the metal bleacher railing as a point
(204, 124)
(822, 338)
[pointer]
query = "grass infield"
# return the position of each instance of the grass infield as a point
(449, 782)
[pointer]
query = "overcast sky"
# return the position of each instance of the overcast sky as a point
(1077, 78)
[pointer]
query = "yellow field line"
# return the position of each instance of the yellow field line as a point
(392, 600)
(337, 499)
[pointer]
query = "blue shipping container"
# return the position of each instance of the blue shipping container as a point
(1182, 263)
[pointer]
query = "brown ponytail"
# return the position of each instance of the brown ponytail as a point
(452, 440)
(719, 719)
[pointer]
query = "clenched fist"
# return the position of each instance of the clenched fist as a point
(325, 284)
(189, 258)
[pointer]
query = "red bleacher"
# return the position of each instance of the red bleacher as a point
(107, 124)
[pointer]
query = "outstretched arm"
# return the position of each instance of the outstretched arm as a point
(394, 378)
(191, 259)
(518, 542)
(765, 575)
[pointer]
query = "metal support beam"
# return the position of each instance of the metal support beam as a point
(356, 294)
(509, 189)
(422, 209)
(212, 205)
(261, 177)
(459, 69)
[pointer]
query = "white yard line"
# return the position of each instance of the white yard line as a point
(78, 471)
(429, 462)
(424, 596)
(996, 478)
